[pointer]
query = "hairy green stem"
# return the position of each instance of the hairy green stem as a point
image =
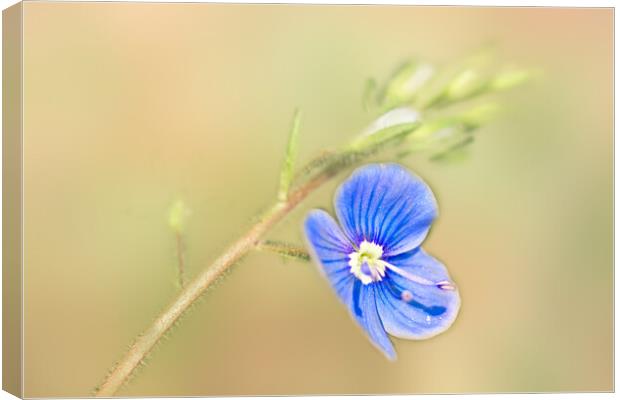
(318, 174)
(192, 291)
(180, 258)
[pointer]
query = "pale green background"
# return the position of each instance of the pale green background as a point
(129, 106)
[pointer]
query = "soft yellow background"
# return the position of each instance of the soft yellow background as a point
(130, 106)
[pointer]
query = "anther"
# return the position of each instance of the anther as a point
(406, 296)
(446, 285)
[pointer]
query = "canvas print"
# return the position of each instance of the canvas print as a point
(208, 199)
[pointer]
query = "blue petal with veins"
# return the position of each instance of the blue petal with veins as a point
(373, 259)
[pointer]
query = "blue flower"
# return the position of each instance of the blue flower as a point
(374, 261)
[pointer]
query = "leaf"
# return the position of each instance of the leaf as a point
(286, 175)
(368, 98)
(284, 249)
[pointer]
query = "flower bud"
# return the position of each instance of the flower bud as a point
(464, 85)
(397, 116)
(510, 79)
(406, 83)
(178, 215)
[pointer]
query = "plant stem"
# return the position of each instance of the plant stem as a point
(324, 170)
(192, 291)
(180, 258)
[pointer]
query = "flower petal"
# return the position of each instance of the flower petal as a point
(364, 310)
(425, 310)
(331, 249)
(387, 205)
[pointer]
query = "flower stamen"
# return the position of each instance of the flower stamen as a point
(366, 263)
(367, 266)
(410, 276)
(443, 285)
(446, 285)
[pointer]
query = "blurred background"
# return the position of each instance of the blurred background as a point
(130, 107)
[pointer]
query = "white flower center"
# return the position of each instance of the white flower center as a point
(367, 266)
(366, 263)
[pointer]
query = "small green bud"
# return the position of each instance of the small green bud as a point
(178, 215)
(464, 85)
(421, 137)
(440, 134)
(397, 116)
(478, 115)
(510, 79)
(406, 82)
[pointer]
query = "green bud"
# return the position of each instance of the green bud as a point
(178, 215)
(510, 79)
(422, 136)
(396, 116)
(439, 134)
(405, 83)
(466, 83)
(478, 115)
